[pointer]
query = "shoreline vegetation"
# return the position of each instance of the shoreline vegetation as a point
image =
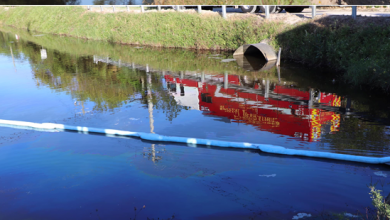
(356, 49)
(176, 60)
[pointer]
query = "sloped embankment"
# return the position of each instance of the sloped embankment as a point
(358, 49)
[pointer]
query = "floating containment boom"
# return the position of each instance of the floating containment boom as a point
(155, 137)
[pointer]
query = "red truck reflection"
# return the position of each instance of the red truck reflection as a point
(269, 114)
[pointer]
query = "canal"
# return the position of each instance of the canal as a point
(200, 94)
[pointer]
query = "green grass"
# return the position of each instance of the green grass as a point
(162, 58)
(167, 29)
(358, 49)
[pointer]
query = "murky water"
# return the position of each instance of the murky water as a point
(59, 175)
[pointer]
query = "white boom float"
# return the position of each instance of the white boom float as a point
(156, 137)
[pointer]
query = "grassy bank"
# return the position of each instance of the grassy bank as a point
(356, 48)
(167, 29)
(174, 60)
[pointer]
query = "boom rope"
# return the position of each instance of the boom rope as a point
(162, 138)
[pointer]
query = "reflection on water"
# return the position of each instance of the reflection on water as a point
(248, 91)
(252, 63)
(179, 93)
(264, 104)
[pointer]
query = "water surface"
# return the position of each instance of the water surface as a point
(57, 175)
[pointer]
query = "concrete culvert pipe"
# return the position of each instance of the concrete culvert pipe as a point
(256, 50)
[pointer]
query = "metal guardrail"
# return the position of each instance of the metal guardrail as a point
(199, 9)
(142, 8)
